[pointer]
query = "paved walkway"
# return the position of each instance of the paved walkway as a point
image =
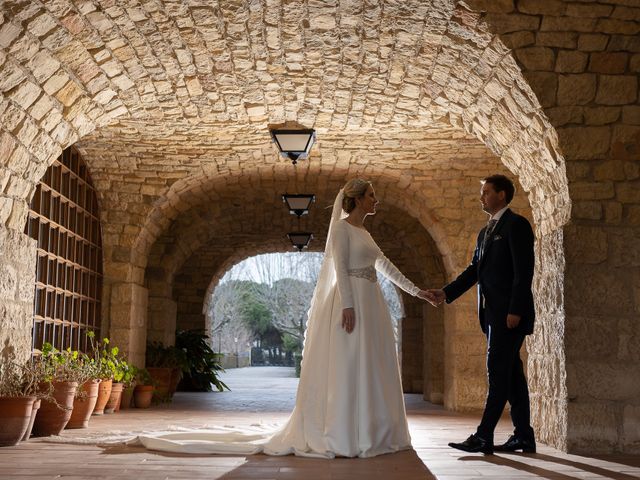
(266, 395)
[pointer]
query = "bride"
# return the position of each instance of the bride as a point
(349, 401)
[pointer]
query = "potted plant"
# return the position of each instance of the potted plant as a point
(18, 393)
(202, 363)
(64, 371)
(165, 365)
(129, 373)
(85, 401)
(143, 391)
(103, 358)
(119, 368)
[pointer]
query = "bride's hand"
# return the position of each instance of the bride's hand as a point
(348, 319)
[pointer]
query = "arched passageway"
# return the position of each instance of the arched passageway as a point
(417, 127)
(403, 240)
(166, 100)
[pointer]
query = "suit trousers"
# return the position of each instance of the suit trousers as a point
(507, 382)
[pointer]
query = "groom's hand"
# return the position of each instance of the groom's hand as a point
(348, 319)
(438, 296)
(426, 295)
(513, 320)
(432, 296)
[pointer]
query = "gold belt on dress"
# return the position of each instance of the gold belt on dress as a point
(368, 273)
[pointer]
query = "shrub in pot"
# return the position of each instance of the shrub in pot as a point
(18, 393)
(121, 367)
(105, 359)
(143, 391)
(202, 363)
(165, 365)
(123, 375)
(129, 373)
(85, 401)
(64, 371)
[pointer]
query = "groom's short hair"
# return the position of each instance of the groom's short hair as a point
(501, 183)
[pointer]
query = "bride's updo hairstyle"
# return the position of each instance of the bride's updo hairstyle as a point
(355, 188)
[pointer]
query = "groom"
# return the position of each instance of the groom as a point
(502, 266)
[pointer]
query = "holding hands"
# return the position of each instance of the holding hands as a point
(434, 296)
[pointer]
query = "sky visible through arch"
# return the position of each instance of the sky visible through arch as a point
(271, 267)
(304, 266)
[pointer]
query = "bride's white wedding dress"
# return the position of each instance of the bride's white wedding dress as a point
(349, 400)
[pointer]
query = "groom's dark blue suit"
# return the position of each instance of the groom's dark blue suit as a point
(504, 273)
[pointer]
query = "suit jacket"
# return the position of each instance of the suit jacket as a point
(504, 275)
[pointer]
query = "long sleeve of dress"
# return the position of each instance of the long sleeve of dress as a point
(389, 270)
(341, 261)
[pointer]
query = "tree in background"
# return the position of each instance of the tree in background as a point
(255, 316)
(264, 301)
(225, 312)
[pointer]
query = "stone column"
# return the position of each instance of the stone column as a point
(17, 280)
(128, 320)
(546, 356)
(465, 355)
(433, 354)
(190, 316)
(412, 348)
(162, 320)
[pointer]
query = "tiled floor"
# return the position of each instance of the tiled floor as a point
(266, 395)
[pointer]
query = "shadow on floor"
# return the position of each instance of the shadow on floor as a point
(552, 471)
(404, 465)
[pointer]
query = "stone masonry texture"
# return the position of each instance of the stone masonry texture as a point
(170, 104)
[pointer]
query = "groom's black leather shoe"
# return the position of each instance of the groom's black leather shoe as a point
(514, 443)
(474, 444)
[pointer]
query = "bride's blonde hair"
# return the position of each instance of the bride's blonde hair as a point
(353, 189)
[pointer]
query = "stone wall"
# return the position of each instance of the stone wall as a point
(169, 102)
(128, 320)
(161, 320)
(17, 281)
(582, 60)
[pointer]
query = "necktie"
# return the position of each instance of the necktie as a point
(487, 234)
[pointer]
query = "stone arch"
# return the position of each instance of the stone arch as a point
(403, 240)
(412, 381)
(125, 83)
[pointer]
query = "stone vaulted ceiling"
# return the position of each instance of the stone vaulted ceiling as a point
(201, 65)
(158, 94)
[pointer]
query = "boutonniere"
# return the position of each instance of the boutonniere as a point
(497, 237)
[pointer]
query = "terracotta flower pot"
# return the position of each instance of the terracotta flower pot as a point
(127, 396)
(114, 398)
(142, 395)
(51, 419)
(15, 414)
(176, 375)
(162, 378)
(83, 407)
(34, 410)
(104, 392)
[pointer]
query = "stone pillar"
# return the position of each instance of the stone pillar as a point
(546, 358)
(412, 348)
(602, 339)
(465, 369)
(188, 317)
(162, 320)
(128, 320)
(189, 291)
(433, 354)
(17, 281)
